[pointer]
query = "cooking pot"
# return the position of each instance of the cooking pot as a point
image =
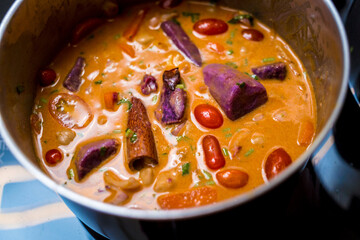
(33, 31)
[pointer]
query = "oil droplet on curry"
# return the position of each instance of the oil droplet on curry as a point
(173, 105)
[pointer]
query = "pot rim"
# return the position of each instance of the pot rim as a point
(189, 212)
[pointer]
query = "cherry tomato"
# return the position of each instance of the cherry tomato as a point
(70, 110)
(232, 178)
(208, 116)
(277, 161)
(210, 26)
(252, 35)
(47, 77)
(53, 156)
(212, 151)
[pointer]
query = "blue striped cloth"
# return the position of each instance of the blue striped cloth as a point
(29, 210)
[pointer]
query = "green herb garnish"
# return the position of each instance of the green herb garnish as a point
(252, 75)
(117, 131)
(154, 99)
(241, 85)
(270, 59)
(225, 151)
(231, 64)
(238, 18)
(185, 168)
(127, 101)
(181, 86)
(133, 138)
(71, 174)
(194, 16)
(131, 134)
(103, 151)
(230, 52)
(117, 36)
(249, 152)
(208, 175)
(98, 82)
(176, 21)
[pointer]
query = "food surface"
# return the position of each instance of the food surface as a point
(171, 105)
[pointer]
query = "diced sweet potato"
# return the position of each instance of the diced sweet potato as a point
(182, 41)
(93, 154)
(236, 92)
(271, 71)
(73, 79)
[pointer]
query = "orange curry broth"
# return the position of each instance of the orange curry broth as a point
(108, 68)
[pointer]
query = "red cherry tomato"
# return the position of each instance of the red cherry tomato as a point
(232, 178)
(212, 151)
(277, 161)
(47, 77)
(208, 116)
(252, 35)
(53, 156)
(210, 26)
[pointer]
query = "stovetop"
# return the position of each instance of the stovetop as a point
(326, 198)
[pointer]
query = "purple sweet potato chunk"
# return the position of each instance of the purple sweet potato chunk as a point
(173, 100)
(148, 85)
(93, 154)
(173, 106)
(236, 92)
(171, 78)
(73, 79)
(271, 71)
(182, 41)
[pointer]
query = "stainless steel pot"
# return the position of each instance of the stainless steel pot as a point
(33, 31)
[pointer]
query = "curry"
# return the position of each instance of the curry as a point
(171, 105)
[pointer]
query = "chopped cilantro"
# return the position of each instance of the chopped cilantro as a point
(117, 131)
(71, 174)
(225, 151)
(175, 21)
(127, 101)
(249, 152)
(129, 132)
(103, 151)
(229, 41)
(194, 16)
(181, 86)
(155, 98)
(237, 19)
(98, 82)
(241, 85)
(270, 59)
(231, 64)
(117, 36)
(252, 75)
(230, 52)
(208, 175)
(185, 168)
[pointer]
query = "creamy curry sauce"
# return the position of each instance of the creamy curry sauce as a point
(111, 67)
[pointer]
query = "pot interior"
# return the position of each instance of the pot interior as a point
(33, 32)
